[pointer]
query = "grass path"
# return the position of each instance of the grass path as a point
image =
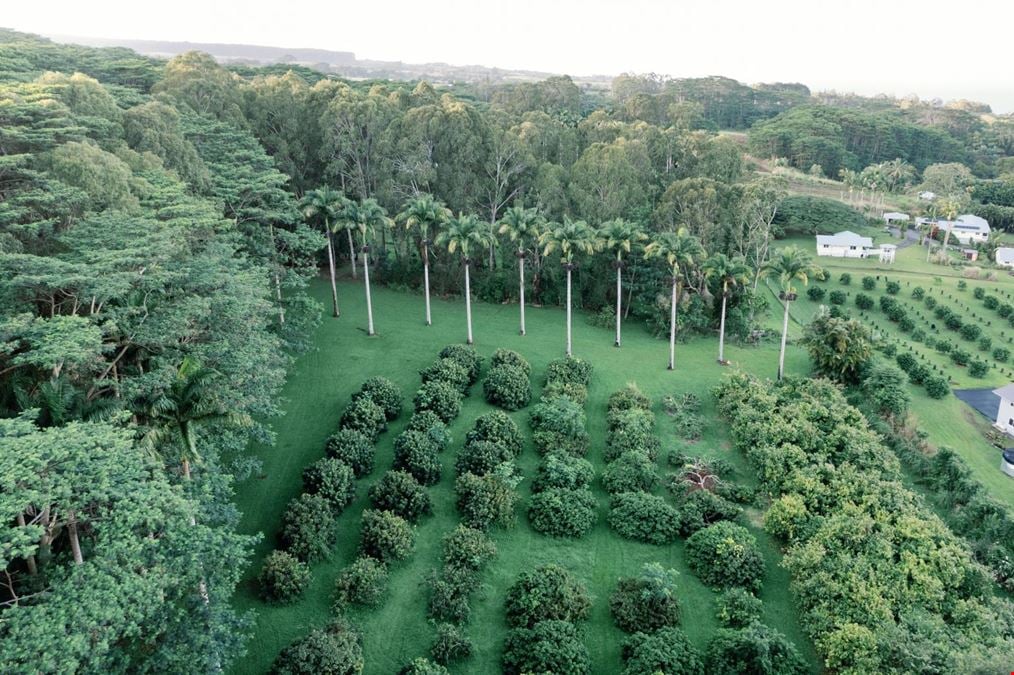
(320, 384)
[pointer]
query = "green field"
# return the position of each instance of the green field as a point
(319, 386)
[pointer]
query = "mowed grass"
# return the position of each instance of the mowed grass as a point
(319, 386)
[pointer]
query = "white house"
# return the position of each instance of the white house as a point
(844, 245)
(927, 196)
(970, 229)
(894, 218)
(1005, 413)
(887, 252)
(1005, 256)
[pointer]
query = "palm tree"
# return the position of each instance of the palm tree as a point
(425, 214)
(791, 264)
(522, 226)
(466, 234)
(573, 236)
(323, 205)
(620, 236)
(729, 272)
(367, 218)
(680, 250)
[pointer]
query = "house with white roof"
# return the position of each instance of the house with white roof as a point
(895, 218)
(1005, 413)
(1005, 256)
(970, 229)
(844, 245)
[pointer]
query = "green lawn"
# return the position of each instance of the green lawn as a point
(318, 387)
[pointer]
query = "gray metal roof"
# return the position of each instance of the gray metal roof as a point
(1006, 392)
(845, 238)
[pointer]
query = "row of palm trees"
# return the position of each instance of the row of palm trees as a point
(433, 224)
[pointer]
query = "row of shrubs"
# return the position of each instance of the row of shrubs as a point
(937, 386)
(508, 384)
(562, 504)
(309, 530)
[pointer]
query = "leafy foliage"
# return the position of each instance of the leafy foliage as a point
(546, 593)
(725, 554)
(508, 387)
(562, 513)
(386, 536)
(647, 602)
(643, 517)
(400, 493)
(363, 583)
(283, 577)
(309, 530)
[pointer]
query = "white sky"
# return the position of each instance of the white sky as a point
(931, 48)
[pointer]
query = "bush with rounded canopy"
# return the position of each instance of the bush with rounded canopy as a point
(333, 480)
(628, 398)
(309, 530)
(481, 457)
(578, 393)
(449, 371)
(467, 357)
(562, 513)
(509, 357)
(335, 650)
(643, 517)
(362, 583)
(430, 424)
(487, 501)
(283, 577)
(978, 368)
(546, 593)
(507, 387)
(892, 287)
(558, 424)
(864, 301)
(423, 666)
(416, 453)
(569, 369)
(353, 448)
(450, 645)
(816, 293)
(845, 279)
(386, 536)
(549, 647)
(400, 493)
(667, 651)
(725, 554)
(646, 602)
(498, 427)
(837, 297)
(753, 650)
(468, 548)
(937, 387)
(384, 393)
(560, 470)
(449, 593)
(885, 388)
(630, 472)
(631, 431)
(869, 283)
(737, 608)
(701, 508)
(364, 416)
(440, 398)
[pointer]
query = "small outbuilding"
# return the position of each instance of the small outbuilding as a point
(887, 252)
(970, 254)
(1007, 462)
(1005, 256)
(895, 218)
(844, 245)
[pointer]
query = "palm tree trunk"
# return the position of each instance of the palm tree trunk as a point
(619, 300)
(330, 264)
(785, 331)
(352, 253)
(672, 328)
(721, 330)
(521, 287)
(569, 351)
(426, 281)
(369, 296)
(468, 303)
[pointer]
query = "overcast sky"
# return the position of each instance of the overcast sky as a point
(930, 47)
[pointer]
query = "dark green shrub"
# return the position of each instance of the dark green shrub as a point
(930, 302)
(1005, 310)
(352, 448)
(308, 528)
(384, 393)
(630, 472)
(282, 578)
(336, 650)
(362, 583)
(971, 331)
(643, 517)
(978, 293)
(633, 431)
(430, 423)
(466, 357)
(364, 416)
(944, 346)
(646, 602)
(449, 371)
(985, 344)
(509, 357)
(960, 356)
(1001, 354)
(738, 607)
(667, 651)
(548, 592)
(837, 297)
(423, 666)
(558, 424)
(333, 480)
(481, 458)
(892, 287)
(905, 325)
(549, 647)
(385, 536)
(991, 302)
(918, 374)
(918, 293)
(468, 548)
(440, 398)
(449, 592)
(507, 387)
(400, 493)
(864, 301)
(869, 283)
(497, 427)
(954, 322)
(560, 470)
(816, 293)
(962, 285)
(562, 513)
(978, 368)
(487, 501)
(845, 279)
(450, 645)
(701, 508)
(724, 555)
(628, 398)
(572, 390)
(416, 453)
(753, 650)
(889, 348)
(884, 388)
(569, 369)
